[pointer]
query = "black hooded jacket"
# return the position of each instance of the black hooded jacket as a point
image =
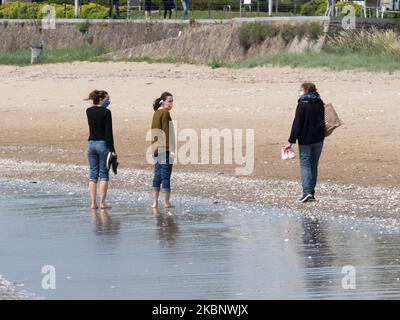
(309, 122)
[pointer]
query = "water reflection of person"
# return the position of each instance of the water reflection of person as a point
(167, 227)
(317, 254)
(103, 224)
(313, 237)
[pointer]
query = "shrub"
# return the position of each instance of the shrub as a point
(301, 30)
(357, 7)
(65, 12)
(196, 4)
(369, 42)
(315, 30)
(83, 27)
(271, 31)
(91, 11)
(246, 35)
(256, 32)
(288, 32)
(318, 8)
(15, 10)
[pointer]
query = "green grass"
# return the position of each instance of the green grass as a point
(332, 61)
(20, 57)
(23, 57)
(218, 14)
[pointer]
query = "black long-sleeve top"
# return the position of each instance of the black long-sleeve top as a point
(309, 123)
(100, 125)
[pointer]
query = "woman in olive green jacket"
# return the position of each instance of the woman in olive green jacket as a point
(163, 147)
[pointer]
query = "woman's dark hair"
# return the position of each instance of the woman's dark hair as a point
(309, 87)
(97, 95)
(157, 102)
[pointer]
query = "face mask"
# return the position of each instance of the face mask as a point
(105, 103)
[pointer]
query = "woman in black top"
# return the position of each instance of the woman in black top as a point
(100, 145)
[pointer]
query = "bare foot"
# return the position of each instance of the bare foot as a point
(104, 206)
(155, 205)
(94, 206)
(168, 205)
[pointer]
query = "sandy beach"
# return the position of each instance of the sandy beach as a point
(44, 115)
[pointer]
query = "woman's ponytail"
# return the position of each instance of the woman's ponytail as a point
(159, 101)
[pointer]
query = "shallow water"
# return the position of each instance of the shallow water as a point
(199, 250)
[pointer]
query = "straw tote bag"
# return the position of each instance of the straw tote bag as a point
(332, 120)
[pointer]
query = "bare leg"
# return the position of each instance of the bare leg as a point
(155, 199)
(92, 191)
(103, 194)
(167, 204)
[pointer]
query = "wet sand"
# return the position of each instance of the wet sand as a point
(198, 250)
(376, 204)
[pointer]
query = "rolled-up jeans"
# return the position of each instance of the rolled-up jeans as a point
(309, 157)
(97, 156)
(162, 172)
(185, 5)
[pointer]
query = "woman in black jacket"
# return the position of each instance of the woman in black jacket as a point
(309, 130)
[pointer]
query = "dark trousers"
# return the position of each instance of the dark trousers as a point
(165, 13)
